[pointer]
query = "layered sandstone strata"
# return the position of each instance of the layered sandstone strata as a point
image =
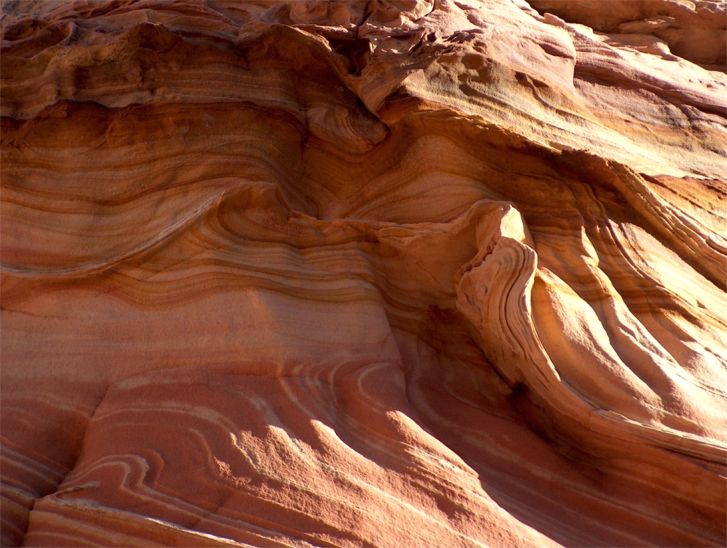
(392, 273)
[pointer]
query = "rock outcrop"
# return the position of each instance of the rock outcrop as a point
(387, 272)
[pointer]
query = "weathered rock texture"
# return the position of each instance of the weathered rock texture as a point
(392, 273)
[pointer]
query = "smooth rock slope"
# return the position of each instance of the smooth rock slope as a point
(364, 273)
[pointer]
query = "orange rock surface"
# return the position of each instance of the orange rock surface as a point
(364, 273)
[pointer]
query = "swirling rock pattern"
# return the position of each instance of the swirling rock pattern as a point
(388, 272)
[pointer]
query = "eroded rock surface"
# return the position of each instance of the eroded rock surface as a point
(392, 273)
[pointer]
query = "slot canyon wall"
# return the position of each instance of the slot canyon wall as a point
(364, 273)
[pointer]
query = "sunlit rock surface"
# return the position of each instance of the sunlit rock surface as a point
(395, 273)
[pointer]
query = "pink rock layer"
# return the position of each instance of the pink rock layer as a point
(385, 273)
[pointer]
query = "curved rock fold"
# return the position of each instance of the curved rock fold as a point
(354, 273)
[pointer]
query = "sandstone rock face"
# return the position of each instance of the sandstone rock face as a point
(391, 273)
